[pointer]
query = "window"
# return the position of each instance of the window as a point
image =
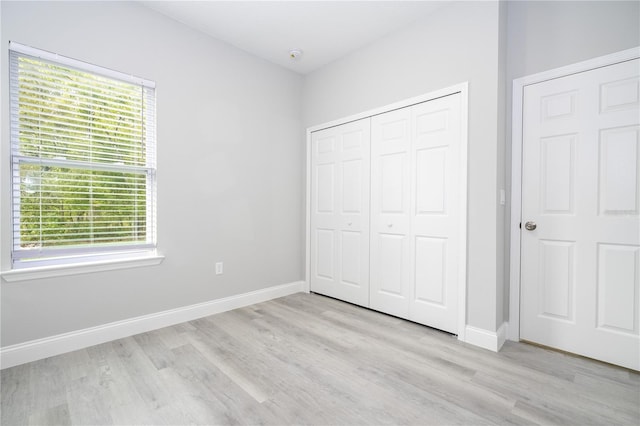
(83, 161)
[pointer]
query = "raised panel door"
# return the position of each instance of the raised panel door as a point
(581, 188)
(340, 175)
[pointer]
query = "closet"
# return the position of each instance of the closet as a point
(388, 212)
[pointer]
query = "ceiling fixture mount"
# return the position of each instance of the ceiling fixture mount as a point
(295, 54)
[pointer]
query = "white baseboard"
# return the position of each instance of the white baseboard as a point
(33, 350)
(492, 340)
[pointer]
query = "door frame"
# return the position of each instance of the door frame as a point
(463, 90)
(519, 85)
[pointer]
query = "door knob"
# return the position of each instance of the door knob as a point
(530, 226)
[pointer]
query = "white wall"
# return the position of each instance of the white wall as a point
(458, 43)
(230, 140)
(551, 34)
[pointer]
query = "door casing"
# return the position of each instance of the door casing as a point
(513, 330)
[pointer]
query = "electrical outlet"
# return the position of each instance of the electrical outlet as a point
(218, 268)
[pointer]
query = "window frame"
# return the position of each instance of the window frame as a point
(64, 261)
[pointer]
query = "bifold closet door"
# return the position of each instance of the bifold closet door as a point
(415, 212)
(340, 179)
(435, 213)
(390, 219)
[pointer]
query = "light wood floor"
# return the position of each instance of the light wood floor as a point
(308, 359)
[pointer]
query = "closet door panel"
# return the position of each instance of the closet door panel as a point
(430, 270)
(352, 187)
(391, 261)
(340, 212)
(325, 189)
(390, 256)
(353, 217)
(324, 210)
(350, 263)
(435, 214)
(431, 174)
(325, 254)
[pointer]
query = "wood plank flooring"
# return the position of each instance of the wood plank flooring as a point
(309, 359)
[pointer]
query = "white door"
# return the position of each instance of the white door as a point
(340, 212)
(390, 204)
(435, 213)
(581, 190)
(416, 212)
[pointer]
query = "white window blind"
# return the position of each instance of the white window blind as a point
(83, 153)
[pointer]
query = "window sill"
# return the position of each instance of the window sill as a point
(80, 268)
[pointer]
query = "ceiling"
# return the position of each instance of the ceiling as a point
(324, 30)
